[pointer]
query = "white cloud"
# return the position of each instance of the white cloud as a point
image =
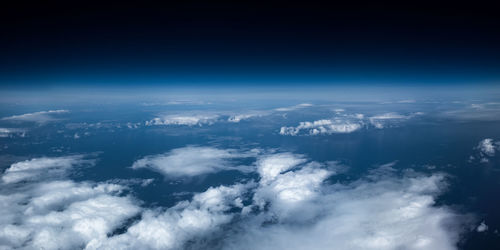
(486, 149)
(292, 108)
(482, 227)
(245, 116)
(185, 223)
(191, 161)
(189, 120)
(322, 127)
(40, 168)
(39, 117)
(381, 121)
(291, 205)
(9, 132)
(44, 213)
(299, 211)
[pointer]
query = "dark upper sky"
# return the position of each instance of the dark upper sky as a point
(193, 43)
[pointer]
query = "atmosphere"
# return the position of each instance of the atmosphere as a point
(262, 126)
(246, 44)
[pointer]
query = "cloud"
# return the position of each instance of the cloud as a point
(187, 223)
(42, 168)
(189, 120)
(381, 121)
(298, 210)
(344, 123)
(191, 161)
(51, 213)
(482, 227)
(9, 132)
(292, 108)
(291, 204)
(321, 127)
(486, 149)
(489, 111)
(39, 117)
(245, 116)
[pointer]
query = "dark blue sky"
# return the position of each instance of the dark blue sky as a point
(273, 43)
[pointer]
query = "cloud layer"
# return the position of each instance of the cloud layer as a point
(291, 204)
(39, 117)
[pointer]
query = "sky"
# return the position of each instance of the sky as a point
(206, 44)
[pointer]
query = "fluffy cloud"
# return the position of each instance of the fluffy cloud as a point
(290, 205)
(297, 210)
(41, 168)
(345, 123)
(486, 149)
(191, 161)
(48, 213)
(188, 222)
(322, 127)
(39, 117)
(189, 120)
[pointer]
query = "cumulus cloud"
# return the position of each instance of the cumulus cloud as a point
(50, 213)
(39, 117)
(482, 227)
(42, 168)
(187, 223)
(321, 127)
(486, 149)
(191, 161)
(298, 210)
(291, 204)
(345, 123)
(189, 120)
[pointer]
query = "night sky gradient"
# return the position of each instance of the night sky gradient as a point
(189, 43)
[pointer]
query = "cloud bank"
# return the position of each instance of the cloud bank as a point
(291, 204)
(189, 120)
(38, 117)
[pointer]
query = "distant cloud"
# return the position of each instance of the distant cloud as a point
(487, 111)
(189, 120)
(486, 149)
(381, 121)
(191, 161)
(407, 101)
(292, 108)
(39, 117)
(321, 127)
(482, 227)
(10, 132)
(246, 115)
(42, 168)
(343, 123)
